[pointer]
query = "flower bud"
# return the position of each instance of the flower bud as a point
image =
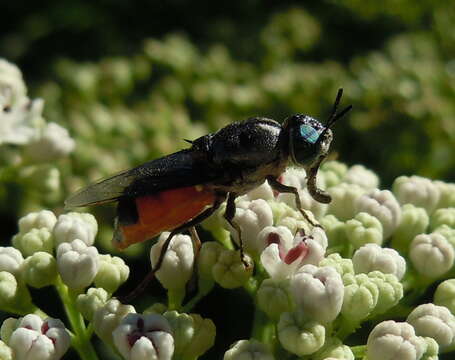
(431, 351)
(372, 257)
(443, 217)
(414, 221)
(177, 266)
(273, 297)
(11, 260)
(248, 350)
(341, 265)
(335, 230)
(299, 335)
(73, 225)
(445, 295)
(360, 175)
(318, 292)
(193, 335)
(296, 177)
(447, 198)
(52, 143)
(434, 321)
(35, 338)
(77, 263)
(229, 271)
(394, 340)
(141, 337)
(333, 172)
(88, 303)
(252, 217)
(208, 257)
(37, 220)
(344, 198)
(390, 291)
(6, 353)
(448, 232)
(288, 217)
(364, 229)
(108, 317)
(360, 297)
(334, 349)
(382, 205)
(431, 254)
(14, 296)
(33, 241)
(40, 270)
(263, 191)
(416, 190)
(112, 273)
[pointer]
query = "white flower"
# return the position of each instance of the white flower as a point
(431, 254)
(39, 339)
(392, 340)
(12, 86)
(296, 177)
(344, 200)
(285, 253)
(416, 190)
(11, 260)
(371, 257)
(112, 273)
(229, 271)
(252, 217)
(273, 297)
(300, 335)
(177, 266)
(18, 125)
(107, 317)
(382, 205)
(38, 220)
(334, 349)
(248, 350)
(445, 295)
(73, 225)
(263, 191)
(144, 337)
(318, 292)
(77, 263)
(434, 321)
(51, 143)
(360, 175)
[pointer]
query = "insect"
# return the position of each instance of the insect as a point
(178, 191)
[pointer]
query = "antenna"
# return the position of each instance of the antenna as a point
(334, 116)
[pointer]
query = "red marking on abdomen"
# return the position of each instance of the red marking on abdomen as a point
(164, 211)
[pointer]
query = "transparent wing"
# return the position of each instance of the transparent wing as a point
(183, 168)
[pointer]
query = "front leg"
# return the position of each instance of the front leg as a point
(281, 188)
(316, 193)
(229, 216)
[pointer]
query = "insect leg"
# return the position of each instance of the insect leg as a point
(317, 194)
(191, 223)
(276, 185)
(229, 216)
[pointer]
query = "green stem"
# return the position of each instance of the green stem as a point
(264, 329)
(346, 328)
(359, 351)
(175, 298)
(81, 339)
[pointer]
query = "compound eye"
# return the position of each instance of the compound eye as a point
(309, 133)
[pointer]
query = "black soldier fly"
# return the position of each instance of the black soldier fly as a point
(178, 191)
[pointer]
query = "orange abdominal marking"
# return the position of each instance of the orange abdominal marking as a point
(165, 211)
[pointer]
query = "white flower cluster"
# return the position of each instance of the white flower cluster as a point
(306, 289)
(21, 121)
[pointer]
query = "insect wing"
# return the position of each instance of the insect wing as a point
(184, 168)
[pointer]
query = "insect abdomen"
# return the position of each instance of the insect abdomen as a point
(162, 211)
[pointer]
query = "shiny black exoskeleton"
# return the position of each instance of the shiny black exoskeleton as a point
(230, 162)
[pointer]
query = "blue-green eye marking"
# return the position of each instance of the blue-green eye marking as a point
(309, 133)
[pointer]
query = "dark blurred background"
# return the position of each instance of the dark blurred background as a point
(131, 79)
